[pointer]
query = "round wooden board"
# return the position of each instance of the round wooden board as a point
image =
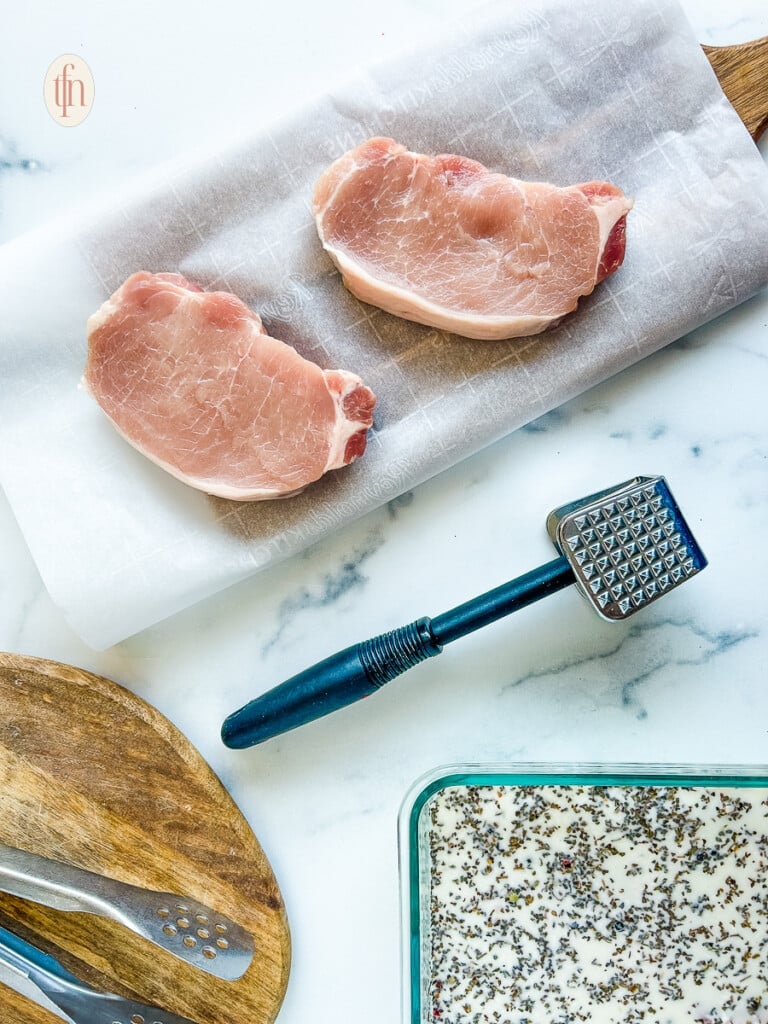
(92, 775)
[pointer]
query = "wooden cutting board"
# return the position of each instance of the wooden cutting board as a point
(92, 775)
(742, 71)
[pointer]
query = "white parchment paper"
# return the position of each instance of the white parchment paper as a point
(551, 91)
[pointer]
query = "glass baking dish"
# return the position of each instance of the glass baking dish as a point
(609, 893)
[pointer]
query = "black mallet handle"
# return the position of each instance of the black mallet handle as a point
(363, 669)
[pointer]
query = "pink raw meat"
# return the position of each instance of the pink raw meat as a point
(443, 241)
(192, 380)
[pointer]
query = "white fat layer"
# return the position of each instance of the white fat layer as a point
(341, 432)
(343, 428)
(105, 312)
(608, 214)
(409, 306)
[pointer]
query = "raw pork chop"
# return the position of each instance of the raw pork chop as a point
(192, 380)
(443, 241)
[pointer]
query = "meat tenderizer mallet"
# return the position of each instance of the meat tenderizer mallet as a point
(623, 548)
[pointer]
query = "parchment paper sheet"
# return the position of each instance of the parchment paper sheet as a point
(551, 91)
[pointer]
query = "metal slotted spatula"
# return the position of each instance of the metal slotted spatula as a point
(40, 977)
(190, 930)
(623, 548)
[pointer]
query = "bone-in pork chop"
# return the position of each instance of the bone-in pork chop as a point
(443, 241)
(192, 380)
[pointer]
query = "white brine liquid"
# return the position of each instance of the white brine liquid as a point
(555, 904)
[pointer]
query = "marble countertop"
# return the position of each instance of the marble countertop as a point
(683, 682)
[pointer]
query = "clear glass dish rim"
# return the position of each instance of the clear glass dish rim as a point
(523, 773)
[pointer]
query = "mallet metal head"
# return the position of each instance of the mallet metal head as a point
(627, 546)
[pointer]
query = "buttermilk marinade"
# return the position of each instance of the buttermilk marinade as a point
(553, 904)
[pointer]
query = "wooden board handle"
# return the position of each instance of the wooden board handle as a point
(742, 71)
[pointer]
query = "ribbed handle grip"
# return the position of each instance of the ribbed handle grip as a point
(390, 654)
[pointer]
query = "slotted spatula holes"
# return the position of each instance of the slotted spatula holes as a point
(212, 935)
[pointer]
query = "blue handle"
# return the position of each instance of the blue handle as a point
(361, 670)
(342, 679)
(32, 961)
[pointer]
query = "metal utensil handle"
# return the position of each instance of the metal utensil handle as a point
(78, 1001)
(29, 960)
(54, 884)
